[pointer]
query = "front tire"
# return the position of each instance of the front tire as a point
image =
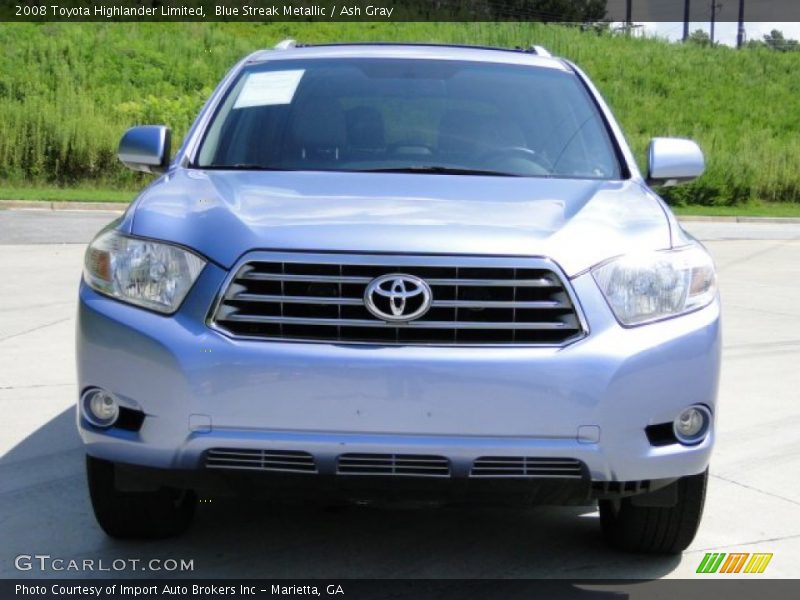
(656, 529)
(158, 514)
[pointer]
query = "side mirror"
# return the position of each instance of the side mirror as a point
(671, 161)
(146, 148)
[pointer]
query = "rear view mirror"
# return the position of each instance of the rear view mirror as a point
(146, 148)
(671, 161)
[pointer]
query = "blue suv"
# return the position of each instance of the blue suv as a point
(381, 272)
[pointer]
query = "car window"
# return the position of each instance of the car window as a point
(395, 114)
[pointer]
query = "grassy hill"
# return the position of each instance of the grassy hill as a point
(68, 90)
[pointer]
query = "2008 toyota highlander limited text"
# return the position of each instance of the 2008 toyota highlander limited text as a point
(381, 272)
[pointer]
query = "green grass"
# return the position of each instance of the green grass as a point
(69, 90)
(60, 194)
(751, 209)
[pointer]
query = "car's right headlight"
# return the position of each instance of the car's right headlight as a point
(649, 286)
(154, 275)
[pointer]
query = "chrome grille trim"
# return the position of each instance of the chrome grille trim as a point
(411, 324)
(527, 466)
(295, 299)
(410, 465)
(309, 278)
(357, 301)
(477, 301)
(544, 283)
(281, 461)
(491, 304)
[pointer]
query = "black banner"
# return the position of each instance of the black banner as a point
(572, 11)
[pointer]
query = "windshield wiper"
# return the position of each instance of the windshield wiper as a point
(425, 169)
(244, 167)
(438, 170)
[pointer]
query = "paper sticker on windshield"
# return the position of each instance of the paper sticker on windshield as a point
(266, 89)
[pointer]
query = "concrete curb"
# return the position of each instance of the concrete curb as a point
(719, 219)
(121, 206)
(61, 205)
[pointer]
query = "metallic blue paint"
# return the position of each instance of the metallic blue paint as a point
(458, 402)
(467, 402)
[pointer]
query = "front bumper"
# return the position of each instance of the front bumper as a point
(589, 401)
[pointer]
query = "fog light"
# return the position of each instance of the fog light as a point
(691, 426)
(100, 407)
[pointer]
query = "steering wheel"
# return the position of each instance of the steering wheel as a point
(541, 165)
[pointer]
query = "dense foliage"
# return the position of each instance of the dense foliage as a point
(67, 92)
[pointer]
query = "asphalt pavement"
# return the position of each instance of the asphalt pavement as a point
(753, 500)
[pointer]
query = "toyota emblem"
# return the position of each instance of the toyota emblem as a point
(398, 297)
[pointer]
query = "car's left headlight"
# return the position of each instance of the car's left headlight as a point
(154, 275)
(646, 287)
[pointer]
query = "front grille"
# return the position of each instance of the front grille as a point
(283, 461)
(526, 466)
(421, 465)
(474, 301)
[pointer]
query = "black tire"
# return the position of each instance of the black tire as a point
(137, 515)
(656, 529)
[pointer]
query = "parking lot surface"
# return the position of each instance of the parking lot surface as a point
(753, 501)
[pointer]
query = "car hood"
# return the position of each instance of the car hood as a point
(224, 214)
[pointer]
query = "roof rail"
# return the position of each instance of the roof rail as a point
(540, 51)
(286, 44)
(532, 49)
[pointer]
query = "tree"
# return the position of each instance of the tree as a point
(775, 40)
(755, 44)
(699, 37)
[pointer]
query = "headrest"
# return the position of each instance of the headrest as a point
(319, 124)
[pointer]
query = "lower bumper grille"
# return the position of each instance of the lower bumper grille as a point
(526, 466)
(283, 461)
(419, 465)
(416, 465)
(620, 488)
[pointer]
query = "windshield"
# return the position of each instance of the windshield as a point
(426, 116)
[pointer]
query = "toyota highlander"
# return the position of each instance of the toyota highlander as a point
(376, 272)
